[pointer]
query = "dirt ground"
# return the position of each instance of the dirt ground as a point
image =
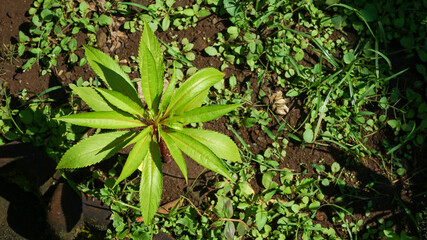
(298, 158)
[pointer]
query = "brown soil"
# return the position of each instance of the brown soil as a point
(298, 158)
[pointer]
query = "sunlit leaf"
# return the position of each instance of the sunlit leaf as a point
(95, 149)
(105, 120)
(154, 47)
(200, 153)
(196, 84)
(149, 79)
(211, 51)
(194, 103)
(92, 98)
(218, 143)
(167, 95)
(204, 114)
(308, 135)
(150, 189)
(150, 59)
(121, 101)
(136, 155)
(111, 73)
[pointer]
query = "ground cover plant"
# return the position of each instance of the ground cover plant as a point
(330, 129)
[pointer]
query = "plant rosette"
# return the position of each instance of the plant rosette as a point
(156, 127)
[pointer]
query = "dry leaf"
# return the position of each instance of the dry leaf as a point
(278, 103)
(165, 209)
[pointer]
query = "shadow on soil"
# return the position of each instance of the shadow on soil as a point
(25, 213)
(372, 196)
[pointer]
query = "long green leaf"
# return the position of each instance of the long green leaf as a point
(137, 155)
(204, 114)
(150, 59)
(218, 143)
(151, 88)
(92, 98)
(95, 149)
(153, 45)
(167, 95)
(196, 84)
(325, 52)
(175, 153)
(200, 153)
(357, 13)
(194, 103)
(105, 120)
(323, 108)
(139, 136)
(382, 55)
(111, 73)
(121, 101)
(134, 4)
(150, 189)
(362, 97)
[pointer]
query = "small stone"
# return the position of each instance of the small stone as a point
(101, 39)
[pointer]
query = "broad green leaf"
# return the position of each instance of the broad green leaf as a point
(267, 180)
(308, 135)
(194, 103)
(245, 190)
(150, 83)
(111, 73)
(196, 84)
(221, 145)
(150, 59)
(136, 155)
(139, 136)
(335, 167)
(261, 217)
(229, 230)
(174, 125)
(121, 101)
(200, 153)
(169, 91)
(349, 57)
(204, 114)
(175, 153)
(232, 7)
(153, 45)
(95, 149)
(150, 190)
(211, 51)
(92, 98)
(105, 120)
(22, 37)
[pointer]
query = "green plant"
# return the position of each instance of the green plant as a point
(162, 14)
(8, 52)
(154, 129)
(31, 122)
(52, 25)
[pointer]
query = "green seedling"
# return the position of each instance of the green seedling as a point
(162, 14)
(157, 129)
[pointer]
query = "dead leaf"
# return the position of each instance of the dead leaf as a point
(278, 103)
(165, 209)
(139, 219)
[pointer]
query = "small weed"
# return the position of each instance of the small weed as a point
(52, 25)
(8, 53)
